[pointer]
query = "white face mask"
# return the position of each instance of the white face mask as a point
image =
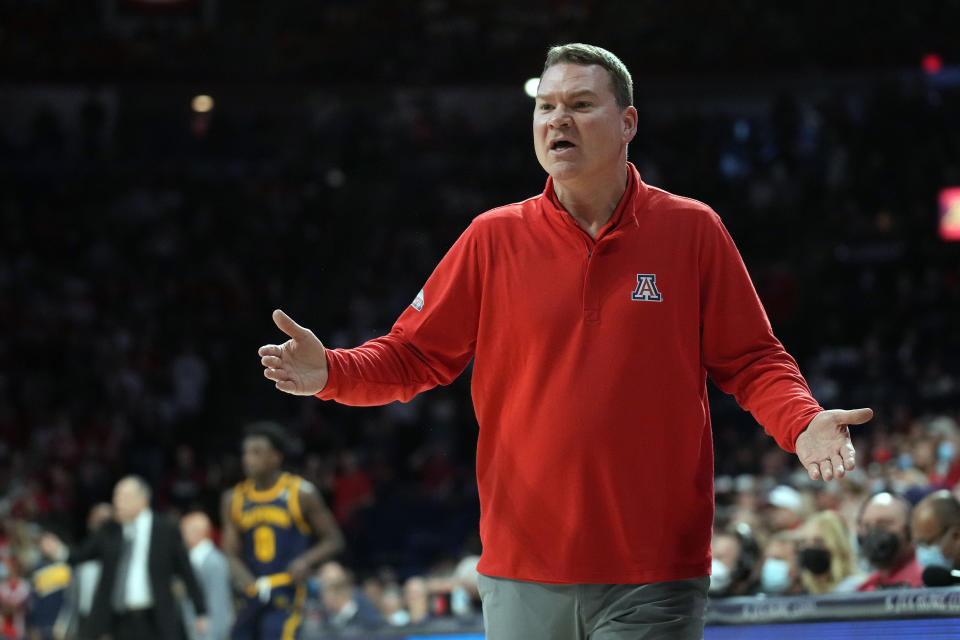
(775, 577)
(720, 577)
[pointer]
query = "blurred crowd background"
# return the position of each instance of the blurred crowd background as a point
(144, 244)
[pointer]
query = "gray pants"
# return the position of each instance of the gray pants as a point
(514, 610)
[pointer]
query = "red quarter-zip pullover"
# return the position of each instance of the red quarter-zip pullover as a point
(595, 455)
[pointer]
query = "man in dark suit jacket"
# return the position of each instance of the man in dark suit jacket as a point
(141, 552)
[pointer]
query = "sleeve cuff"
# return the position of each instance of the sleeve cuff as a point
(802, 425)
(329, 390)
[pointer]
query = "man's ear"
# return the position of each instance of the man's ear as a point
(629, 118)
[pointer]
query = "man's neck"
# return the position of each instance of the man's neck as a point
(592, 202)
(266, 481)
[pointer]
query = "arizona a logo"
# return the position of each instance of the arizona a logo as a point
(646, 290)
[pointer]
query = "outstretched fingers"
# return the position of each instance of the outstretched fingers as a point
(269, 350)
(281, 380)
(834, 466)
(286, 324)
(272, 362)
(826, 470)
(849, 456)
(274, 374)
(839, 468)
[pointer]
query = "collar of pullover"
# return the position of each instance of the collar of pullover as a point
(623, 216)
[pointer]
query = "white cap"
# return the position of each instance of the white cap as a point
(786, 498)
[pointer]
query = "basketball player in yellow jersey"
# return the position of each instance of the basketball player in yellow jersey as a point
(276, 528)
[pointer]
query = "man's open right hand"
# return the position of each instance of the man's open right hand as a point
(299, 365)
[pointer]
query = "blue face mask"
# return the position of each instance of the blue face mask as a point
(945, 451)
(931, 555)
(775, 577)
(905, 461)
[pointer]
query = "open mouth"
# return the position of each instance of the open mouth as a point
(559, 145)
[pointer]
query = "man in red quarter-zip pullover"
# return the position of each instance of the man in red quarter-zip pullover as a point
(594, 313)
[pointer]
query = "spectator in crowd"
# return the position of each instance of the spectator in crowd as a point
(74, 617)
(785, 508)
(213, 574)
(14, 596)
(884, 536)
(416, 600)
(828, 563)
(735, 558)
(780, 574)
(935, 527)
(373, 590)
(391, 607)
(345, 608)
(141, 552)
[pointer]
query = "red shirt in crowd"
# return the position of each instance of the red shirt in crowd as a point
(907, 574)
(595, 455)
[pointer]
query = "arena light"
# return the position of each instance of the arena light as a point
(202, 104)
(530, 87)
(950, 214)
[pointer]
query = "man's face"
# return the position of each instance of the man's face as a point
(884, 513)
(578, 129)
(194, 530)
(336, 590)
(782, 518)
(927, 529)
(128, 501)
(259, 456)
(882, 531)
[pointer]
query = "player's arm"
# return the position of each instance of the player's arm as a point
(324, 527)
(240, 575)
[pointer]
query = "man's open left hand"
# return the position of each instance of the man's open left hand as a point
(824, 448)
